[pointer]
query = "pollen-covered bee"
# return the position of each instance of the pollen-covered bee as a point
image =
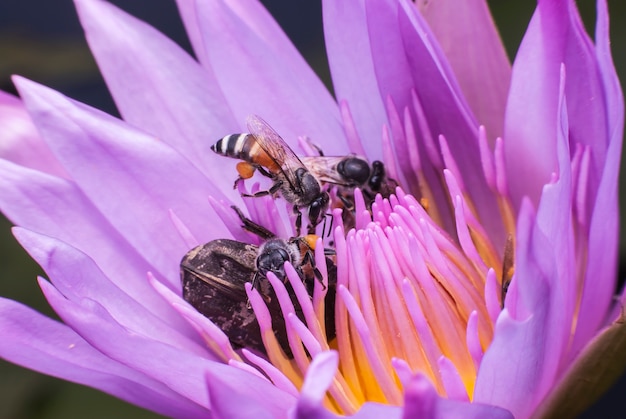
(264, 150)
(214, 275)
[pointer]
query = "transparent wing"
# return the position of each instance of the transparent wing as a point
(324, 168)
(276, 148)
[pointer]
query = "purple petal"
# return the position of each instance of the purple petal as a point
(409, 59)
(512, 368)
(157, 86)
(182, 371)
(422, 401)
(19, 140)
(532, 336)
(555, 36)
(468, 37)
(57, 208)
(318, 379)
(238, 394)
(76, 276)
(34, 341)
(603, 231)
(261, 72)
(131, 178)
(348, 48)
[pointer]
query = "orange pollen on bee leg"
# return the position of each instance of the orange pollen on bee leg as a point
(311, 240)
(245, 169)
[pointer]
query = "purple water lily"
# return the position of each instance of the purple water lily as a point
(482, 288)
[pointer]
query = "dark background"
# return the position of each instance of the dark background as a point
(42, 40)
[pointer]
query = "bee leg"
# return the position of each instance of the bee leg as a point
(317, 148)
(255, 281)
(264, 172)
(347, 203)
(271, 191)
(253, 227)
(308, 258)
(298, 214)
(330, 228)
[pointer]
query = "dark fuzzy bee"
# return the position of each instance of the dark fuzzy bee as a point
(264, 150)
(349, 172)
(214, 276)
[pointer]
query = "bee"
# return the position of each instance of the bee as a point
(214, 274)
(264, 150)
(349, 172)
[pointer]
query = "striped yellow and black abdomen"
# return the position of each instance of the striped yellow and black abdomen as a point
(245, 147)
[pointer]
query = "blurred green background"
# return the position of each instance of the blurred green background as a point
(42, 40)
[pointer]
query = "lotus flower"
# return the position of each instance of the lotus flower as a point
(482, 288)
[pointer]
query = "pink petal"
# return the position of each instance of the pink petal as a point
(318, 379)
(409, 59)
(603, 231)
(261, 72)
(422, 401)
(348, 48)
(57, 208)
(19, 140)
(555, 36)
(512, 370)
(238, 394)
(34, 341)
(77, 277)
(469, 39)
(128, 176)
(182, 371)
(546, 284)
(176, 100)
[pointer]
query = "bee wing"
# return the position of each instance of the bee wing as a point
(324, 168)
(225, 265)
(276, 148)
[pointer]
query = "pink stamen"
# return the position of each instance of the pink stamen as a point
(320, 290)
(389, 158)
(245, 367)
(411, 142)
(581, 198)
(380, 370)
(465, 239)
(363, 216)
(500, 166)
(304, 334)
(486, 158)
(264, 319)
(352, 136)
(212, 335)
(452, 382)
(399, 143)
(274, 374)
(432, 151)
(305, 303)
(307, 147)
(492, 296)
(472, 339)
(428, 342)
(286, 306)
(450, 163)
(183, 230)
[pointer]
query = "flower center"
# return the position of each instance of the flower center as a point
(410, 294)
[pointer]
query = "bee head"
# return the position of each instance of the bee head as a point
(272, 257)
